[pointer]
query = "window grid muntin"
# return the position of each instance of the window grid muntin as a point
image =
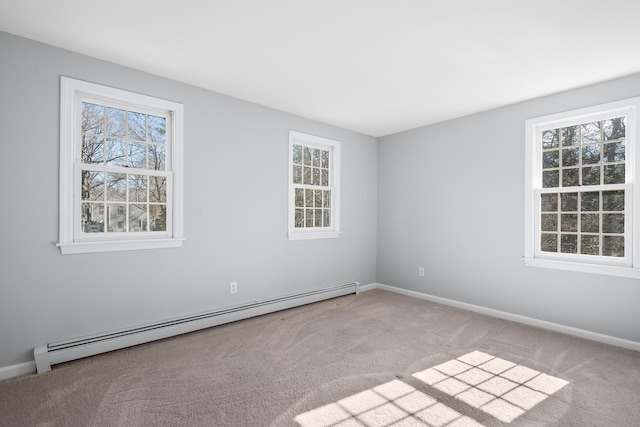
(150, 145)
(127, 169)
(311, 213)
(580, 213)
(153, 202)
(557, 144)
(566, 140)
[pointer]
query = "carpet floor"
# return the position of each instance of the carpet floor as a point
(373, 359)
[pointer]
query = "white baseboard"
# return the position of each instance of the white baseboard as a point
(7, 372)
(569, 330)
(369, 287)
(12, 371)
(46, 355)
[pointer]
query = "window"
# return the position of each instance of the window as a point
(313, 187)
(581, 192)
(120, 170)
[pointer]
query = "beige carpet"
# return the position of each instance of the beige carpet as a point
(375, 359)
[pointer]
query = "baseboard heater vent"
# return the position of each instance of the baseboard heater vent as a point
(64, 351)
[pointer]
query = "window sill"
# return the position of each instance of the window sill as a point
(313, 235)
(608, 270)
(115, 246)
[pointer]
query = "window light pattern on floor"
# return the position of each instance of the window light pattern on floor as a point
(394, 404)
(493, 385)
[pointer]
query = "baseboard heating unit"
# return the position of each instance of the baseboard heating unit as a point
(65, 351)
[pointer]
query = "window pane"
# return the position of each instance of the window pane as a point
(137, 218)
(569, 244)
(138, 155)
(326, 199)
(157, 189)
(297, 174)
(613, 200)
(137, 126)
(299, 221)
(308, 198)
(613, 223)
(591, 133)
(318, 198)
(116, 123)
(92, 149)
(550, 159)
(116, 152)
(299, 198)
(138, 188)
(591, 201)
(570, 135)
(550, 138)
(569, 222)
(549, 222)
(590, 223)
(308, 220)
(614, 174)
(92, 217)
(157, 217)
(326, 218)
(315, 157)
(307, 156)
(325, 159)
(157, 157)
(297, 154)
(307, 175)
(325, 178)
(318, 218)
(570, 177)
(316, 176)
(590, 245)
(549, 242)
(549, 202)
(92, 118)
(92, 185)
(116, 187)
(550, 179)
(116, 218)
(569, 202)
(590, 154)
(591, 175)
(570, 156)
(613, 246)
(157, 129)
(614, 128)
(614, 152)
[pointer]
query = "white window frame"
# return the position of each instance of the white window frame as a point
(629, 266)
(72, 240)
(300, 138)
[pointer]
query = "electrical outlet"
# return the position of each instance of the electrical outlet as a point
(234, 287)
(421, 271)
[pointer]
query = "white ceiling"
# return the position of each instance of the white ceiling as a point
(373, 66)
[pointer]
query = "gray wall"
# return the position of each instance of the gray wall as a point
(447, 197)
(450, 199)
(235, 211)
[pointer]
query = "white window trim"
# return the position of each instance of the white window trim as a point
(300, 138)
(533, 173)
(70, 92)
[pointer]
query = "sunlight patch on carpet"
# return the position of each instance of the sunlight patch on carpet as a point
(498, 387)
(391, 404)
